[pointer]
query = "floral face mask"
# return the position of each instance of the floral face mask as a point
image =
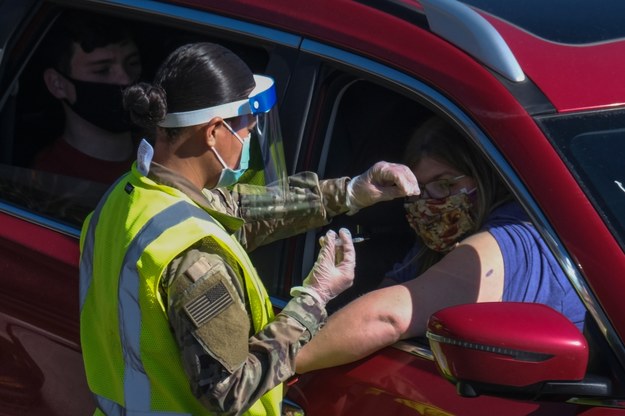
(441, 222)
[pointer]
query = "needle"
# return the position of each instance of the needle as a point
(355, 240)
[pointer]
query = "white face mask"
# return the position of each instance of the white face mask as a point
(228, 175)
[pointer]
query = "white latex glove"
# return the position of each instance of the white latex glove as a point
(333, 272)
(382, 182)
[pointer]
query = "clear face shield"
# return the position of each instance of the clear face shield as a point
(267, 164)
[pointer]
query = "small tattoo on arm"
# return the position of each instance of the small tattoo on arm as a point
(489, 273)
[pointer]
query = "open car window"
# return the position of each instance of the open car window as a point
(368, 122)
(371, 123)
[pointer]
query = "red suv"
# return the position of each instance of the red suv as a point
(539, 87)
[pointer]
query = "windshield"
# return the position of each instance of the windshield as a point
(565, 21)
(593, 145)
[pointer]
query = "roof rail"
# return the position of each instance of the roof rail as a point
(468, 30)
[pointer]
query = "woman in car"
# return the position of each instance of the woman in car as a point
(174, 317)
(475, 244)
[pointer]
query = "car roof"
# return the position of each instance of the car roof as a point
(572, 76)
(571, 49)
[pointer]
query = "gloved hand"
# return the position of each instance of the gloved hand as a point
(382, 182)
(333, 272)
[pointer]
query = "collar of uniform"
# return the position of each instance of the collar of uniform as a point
(217, 208)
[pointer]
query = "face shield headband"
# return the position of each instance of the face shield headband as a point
(261, 103)
(261, 100)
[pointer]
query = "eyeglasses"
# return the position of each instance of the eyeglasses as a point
(440, 188)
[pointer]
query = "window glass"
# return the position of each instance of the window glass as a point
(62, 198)
(32, 120)
(593, 145)
(583, 21)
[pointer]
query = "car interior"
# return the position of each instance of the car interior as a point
(366, 122)
(372, 123)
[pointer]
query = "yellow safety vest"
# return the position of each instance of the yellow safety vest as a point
(131, 358)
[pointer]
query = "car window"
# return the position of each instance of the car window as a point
(31, 119)
(577, 26)
(369, 121)
(56, 197)
(372, 123)
(366, 122)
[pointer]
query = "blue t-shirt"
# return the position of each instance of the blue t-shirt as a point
(531, 272)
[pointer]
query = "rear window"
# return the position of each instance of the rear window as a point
(32, 120)
(60, 198)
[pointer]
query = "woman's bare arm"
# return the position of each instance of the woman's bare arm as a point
(472, 272)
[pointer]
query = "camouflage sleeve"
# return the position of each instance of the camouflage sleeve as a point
(228, 367)
(270, 215)
(334, 193)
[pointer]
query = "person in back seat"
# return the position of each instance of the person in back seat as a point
(90, 59)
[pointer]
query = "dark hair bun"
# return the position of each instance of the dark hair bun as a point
(146, 104)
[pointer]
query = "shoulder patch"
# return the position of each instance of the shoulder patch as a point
(208, 305)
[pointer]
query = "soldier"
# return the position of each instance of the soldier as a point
(169, 297)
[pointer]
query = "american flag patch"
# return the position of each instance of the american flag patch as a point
(209, 305)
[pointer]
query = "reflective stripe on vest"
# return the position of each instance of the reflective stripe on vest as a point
(136, 382)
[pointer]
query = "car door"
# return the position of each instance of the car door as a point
(362, 112)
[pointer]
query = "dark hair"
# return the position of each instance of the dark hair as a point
(88, 30)
(194, 76)
(438, 139)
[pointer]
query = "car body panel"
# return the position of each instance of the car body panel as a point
(385, 384)
(586, 76)
(42, 370)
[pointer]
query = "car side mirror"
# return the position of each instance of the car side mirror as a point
(524, 350)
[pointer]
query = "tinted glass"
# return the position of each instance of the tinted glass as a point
(566, 21)
(593, 145)
(57, 197)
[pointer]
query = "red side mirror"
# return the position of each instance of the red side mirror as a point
(508, 345)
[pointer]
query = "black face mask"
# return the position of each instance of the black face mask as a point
(101, 105)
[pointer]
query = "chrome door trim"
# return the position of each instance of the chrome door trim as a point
(223, 23)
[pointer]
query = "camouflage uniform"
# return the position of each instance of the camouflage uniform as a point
(230, 367)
